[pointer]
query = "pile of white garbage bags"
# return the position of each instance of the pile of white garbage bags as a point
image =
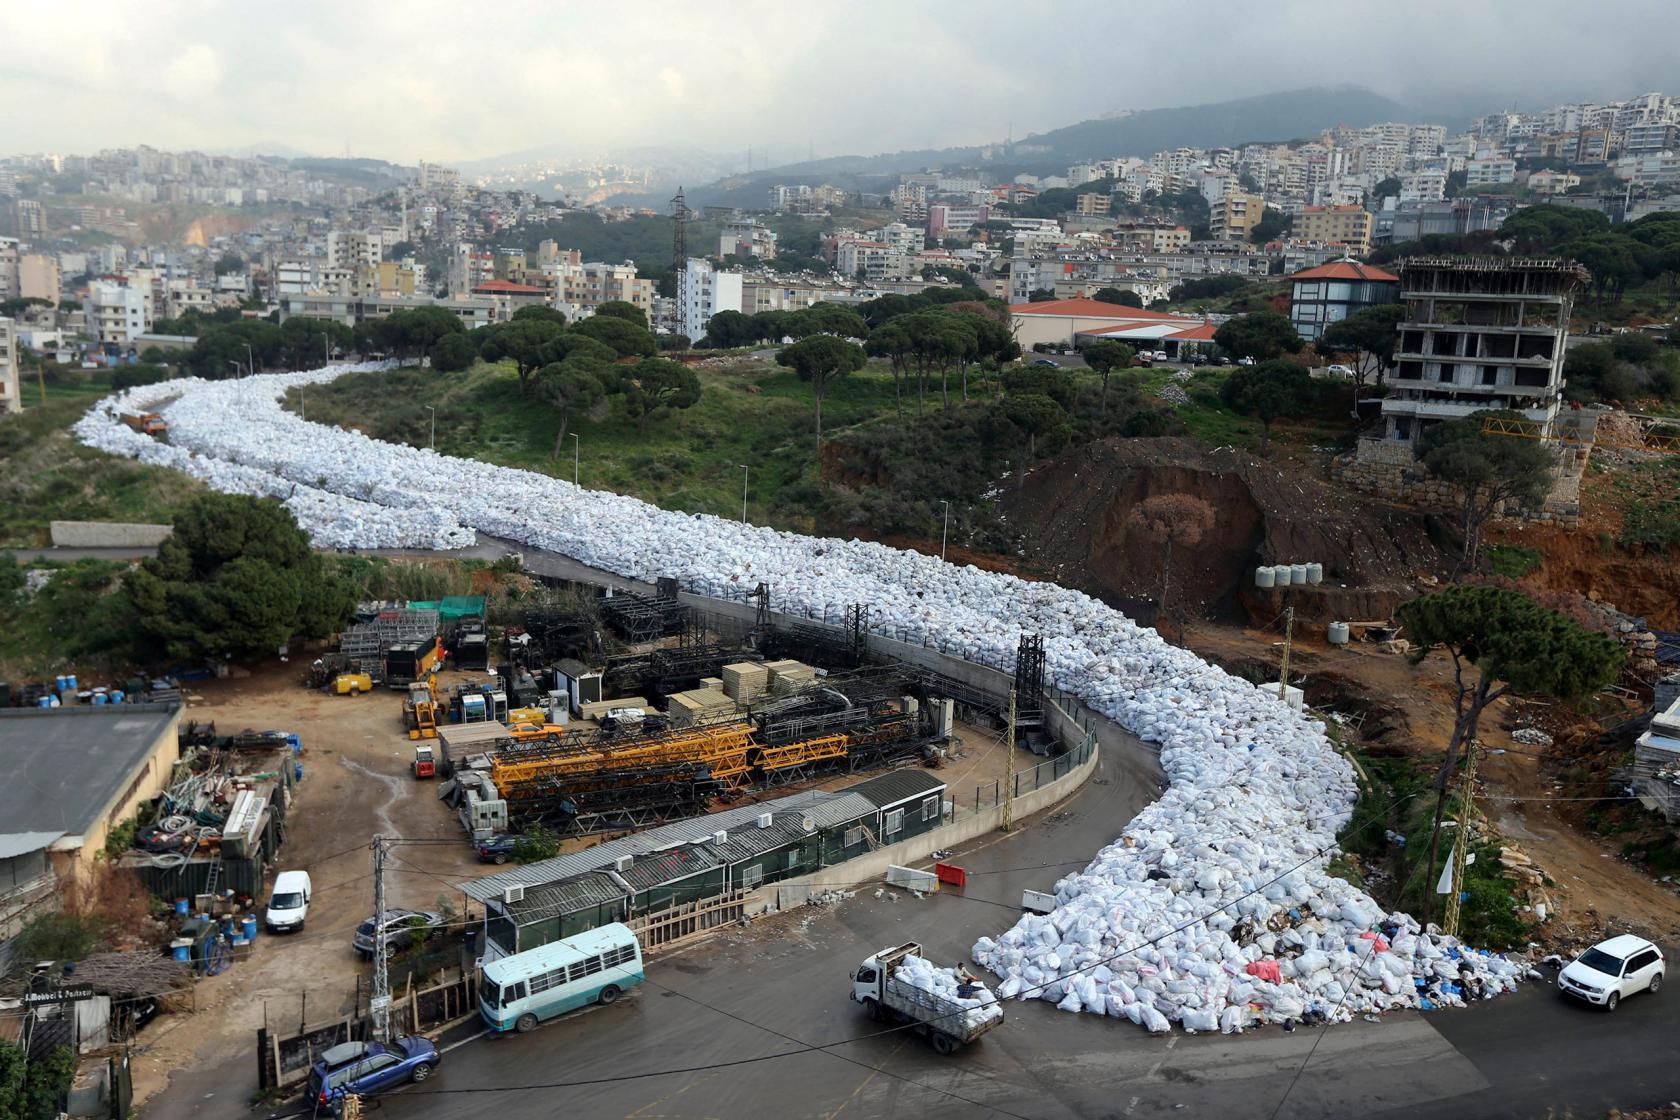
(978, 1009)
(1225, 871)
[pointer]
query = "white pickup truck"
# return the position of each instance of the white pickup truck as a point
(947, 1023)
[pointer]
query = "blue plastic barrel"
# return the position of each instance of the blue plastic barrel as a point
(60, 683)
(44, 702)
(182, 950)
(117, 695)
(70, 682)
(249, 927)
(100, 698)
(180, 907)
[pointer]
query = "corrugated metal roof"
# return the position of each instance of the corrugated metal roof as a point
(745, 843)
(659, 868)
(898, 787)
(547, 901)
(825, 808)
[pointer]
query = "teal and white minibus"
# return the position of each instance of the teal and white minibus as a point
(593, 967)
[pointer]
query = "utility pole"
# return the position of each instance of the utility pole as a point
(576, 444)
(1288, 638)
(1461, 842)
(746, 473)
(433, 411)
(1009, 769)
(945, 530)
(379, 1004)
(250, 362)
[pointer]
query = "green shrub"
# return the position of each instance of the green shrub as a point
(1513, 561)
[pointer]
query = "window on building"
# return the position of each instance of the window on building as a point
(752, 876)
(1490, 375)
(930, 808)
(853, 837)
(895, 822)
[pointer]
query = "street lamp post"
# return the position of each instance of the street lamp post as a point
(250, 362)
(576, 444)
(433, 411)
(945, 530)
(746, 473)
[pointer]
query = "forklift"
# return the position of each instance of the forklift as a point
(425, 762)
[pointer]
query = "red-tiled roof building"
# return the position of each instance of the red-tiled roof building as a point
(1331, 292)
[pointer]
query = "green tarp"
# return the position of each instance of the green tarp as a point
(459, 606)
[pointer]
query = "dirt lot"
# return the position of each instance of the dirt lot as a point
(1409, 708)
(356, 785)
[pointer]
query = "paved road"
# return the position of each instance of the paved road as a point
(730, 1006)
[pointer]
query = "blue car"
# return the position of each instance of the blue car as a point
(369, 1068)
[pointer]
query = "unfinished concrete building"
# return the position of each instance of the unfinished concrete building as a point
(1479, 334)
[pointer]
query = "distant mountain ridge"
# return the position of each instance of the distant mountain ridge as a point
(1288, 115)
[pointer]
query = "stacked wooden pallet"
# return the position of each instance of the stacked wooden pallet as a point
(744, 681)
(789, 676)
(698, 707)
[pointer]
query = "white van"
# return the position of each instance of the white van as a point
(288, 906)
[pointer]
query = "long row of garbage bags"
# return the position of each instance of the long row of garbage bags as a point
(1213, 909)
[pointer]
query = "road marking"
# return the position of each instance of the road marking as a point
(464, 1041)
(642, 1113)
(1153, 1070)
(864, 1084)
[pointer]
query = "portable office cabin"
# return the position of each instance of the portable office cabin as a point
(907, 803)
(756, 854)
(846, 827)
(661, 880)
(555, 910)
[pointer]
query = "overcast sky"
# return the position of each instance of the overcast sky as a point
(458, 81)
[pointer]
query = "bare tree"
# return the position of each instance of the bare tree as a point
(1170, 519)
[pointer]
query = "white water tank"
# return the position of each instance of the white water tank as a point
(1265, 577)
(1338, 633)
(1298, 575)
(1315, 573)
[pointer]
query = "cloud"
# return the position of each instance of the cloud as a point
(427, 78)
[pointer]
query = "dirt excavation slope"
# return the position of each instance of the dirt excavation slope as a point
(1072, 515)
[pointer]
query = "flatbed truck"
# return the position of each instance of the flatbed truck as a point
(945, 1023)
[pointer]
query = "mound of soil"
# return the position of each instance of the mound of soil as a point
(1072, 514)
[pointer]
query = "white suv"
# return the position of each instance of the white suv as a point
(1612, 969)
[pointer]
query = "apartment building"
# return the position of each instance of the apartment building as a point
(10, 257)
(1091, 205)
(350, 250)
(117, 312)
(182, 296)
(1347, 225)
(39, 277)
(1479, 334)
(581, 286)
(703, 291)
(780, 293)
(873, 261)
(1236, 214)
(1423, 186)
(944, 216)
(1486, 171)
(11, 399)
(1151, 237)
(746, 238)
